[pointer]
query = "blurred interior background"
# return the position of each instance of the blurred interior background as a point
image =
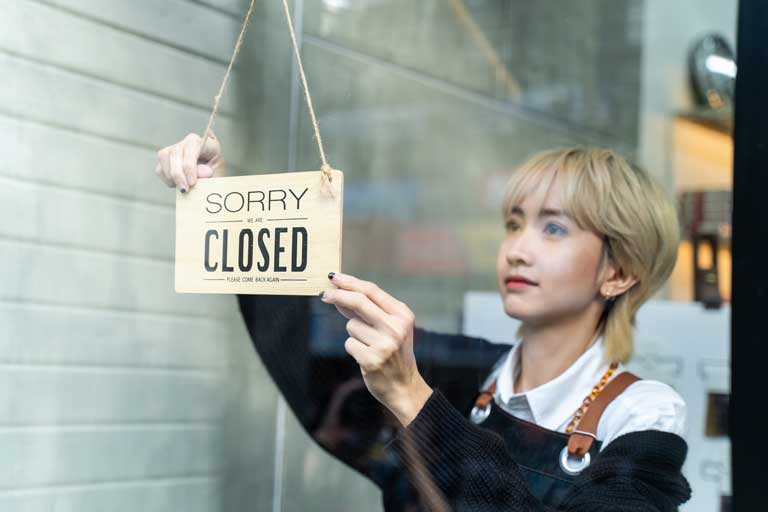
(117, 393)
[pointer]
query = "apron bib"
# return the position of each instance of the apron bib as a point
(538, 452)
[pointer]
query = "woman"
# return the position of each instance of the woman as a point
(450, 422)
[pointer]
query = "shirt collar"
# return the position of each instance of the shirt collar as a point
(553, 403)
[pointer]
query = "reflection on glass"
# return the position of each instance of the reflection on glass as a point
(428, 108)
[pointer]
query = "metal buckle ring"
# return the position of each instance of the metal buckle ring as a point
(590, 434)
(478, 415)
(573, 470)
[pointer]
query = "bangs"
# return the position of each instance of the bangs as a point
(580, 196)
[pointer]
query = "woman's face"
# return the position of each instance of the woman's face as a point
(548, 248)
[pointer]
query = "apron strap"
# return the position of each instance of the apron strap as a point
(581, 439)
(486, 397)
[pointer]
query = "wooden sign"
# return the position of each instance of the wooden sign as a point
(269, 234)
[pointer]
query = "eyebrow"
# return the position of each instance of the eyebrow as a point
(544, 212)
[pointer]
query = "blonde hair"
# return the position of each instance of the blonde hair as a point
(624, 205)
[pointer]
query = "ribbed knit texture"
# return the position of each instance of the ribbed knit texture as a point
(473, 471)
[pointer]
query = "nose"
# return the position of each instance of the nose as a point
(518, 248)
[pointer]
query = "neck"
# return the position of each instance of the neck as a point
(549, 350)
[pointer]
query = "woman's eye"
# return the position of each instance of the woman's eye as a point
(554, 229)
(512, 225)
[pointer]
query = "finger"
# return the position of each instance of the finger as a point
(190, 154)
(211, 152)
(358, 304)
(362, 354)
(177, 169)
(382, 299)
(204, 171)
(371, 337)
(347, 313)
(161, 174)
(164, 155)
(361, 306)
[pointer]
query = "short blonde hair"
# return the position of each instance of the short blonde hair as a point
(624, 205)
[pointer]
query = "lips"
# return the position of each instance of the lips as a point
(518, 279)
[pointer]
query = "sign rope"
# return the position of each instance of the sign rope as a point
(326, 168)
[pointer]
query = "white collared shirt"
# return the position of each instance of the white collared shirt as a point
(644, 405)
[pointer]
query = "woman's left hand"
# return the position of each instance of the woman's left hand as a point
(380, 339)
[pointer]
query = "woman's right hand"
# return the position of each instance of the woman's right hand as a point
(182, 164)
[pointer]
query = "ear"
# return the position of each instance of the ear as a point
(616, 281)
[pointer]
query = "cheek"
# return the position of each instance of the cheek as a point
(572, 274)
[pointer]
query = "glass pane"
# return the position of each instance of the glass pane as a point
(428, 107)
(122, 394)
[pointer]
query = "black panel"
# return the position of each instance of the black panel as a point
(749, 348)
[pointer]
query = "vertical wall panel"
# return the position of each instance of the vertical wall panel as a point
(116, 393)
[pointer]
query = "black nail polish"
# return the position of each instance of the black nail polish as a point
(183, 190)
(322, 293)
(331, 274)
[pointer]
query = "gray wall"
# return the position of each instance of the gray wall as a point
(117, 393)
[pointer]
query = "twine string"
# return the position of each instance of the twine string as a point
(326, 168)
(217, 98)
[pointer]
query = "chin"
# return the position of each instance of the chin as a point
(512, 311)
(521, 310)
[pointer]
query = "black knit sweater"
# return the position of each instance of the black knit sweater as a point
(441, 461)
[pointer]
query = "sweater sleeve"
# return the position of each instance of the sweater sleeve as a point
(300, 341)
(456, 465)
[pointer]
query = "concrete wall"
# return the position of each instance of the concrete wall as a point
(116, 393)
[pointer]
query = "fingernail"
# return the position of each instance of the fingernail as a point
(331, 274)
(183, 190)
(322, 293)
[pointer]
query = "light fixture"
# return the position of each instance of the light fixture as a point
(712, 69)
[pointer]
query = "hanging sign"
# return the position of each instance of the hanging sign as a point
(266, 234)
